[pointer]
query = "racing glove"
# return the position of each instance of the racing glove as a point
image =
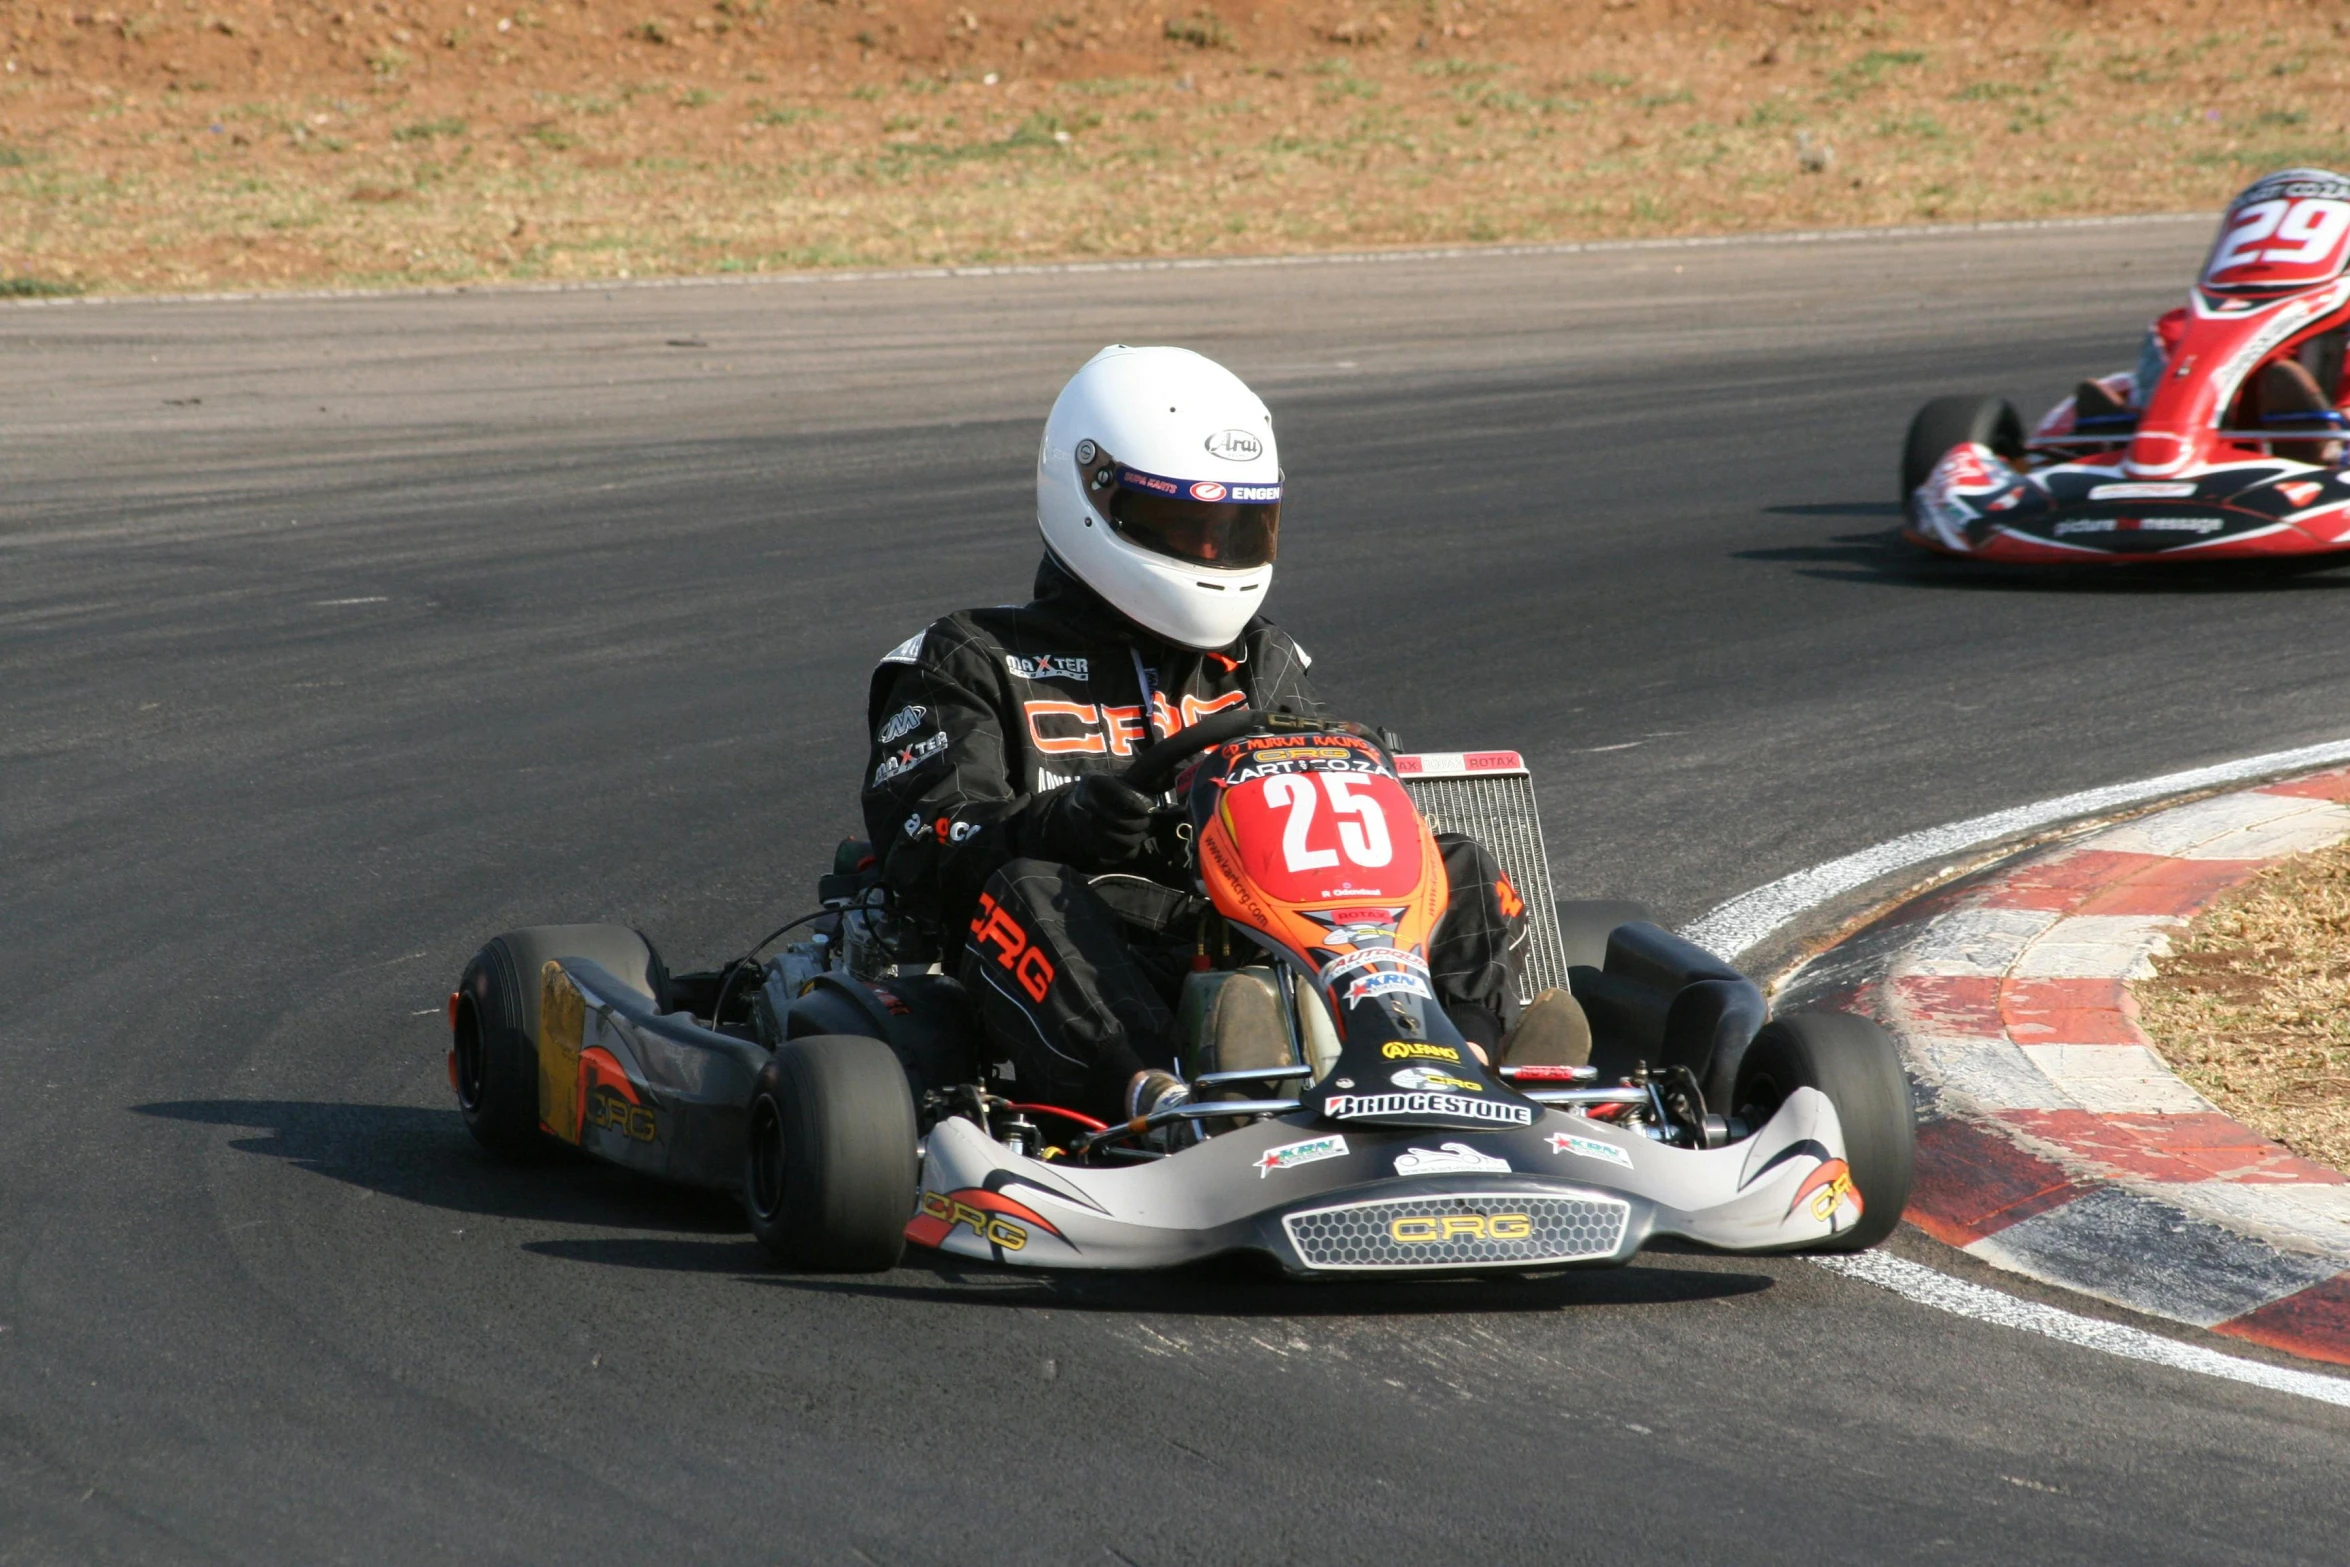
(1094, 824)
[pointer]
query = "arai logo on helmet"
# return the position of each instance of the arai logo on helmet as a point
(1235, 446)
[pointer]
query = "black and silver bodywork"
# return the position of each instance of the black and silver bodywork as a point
(1385, 1153)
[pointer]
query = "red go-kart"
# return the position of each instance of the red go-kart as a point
(2227, 440)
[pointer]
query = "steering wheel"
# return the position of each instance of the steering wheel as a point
(1155, 768)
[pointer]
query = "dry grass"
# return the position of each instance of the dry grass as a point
(206, 143)
(2253, 1005)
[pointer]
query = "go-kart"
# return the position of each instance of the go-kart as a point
(843, 1087)
(2226, 441)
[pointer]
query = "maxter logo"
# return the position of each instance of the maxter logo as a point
(1429, 1229)
(1049, 666)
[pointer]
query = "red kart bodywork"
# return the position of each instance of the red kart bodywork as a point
(2191, 467)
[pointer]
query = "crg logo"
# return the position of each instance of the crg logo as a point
(1423, 1231)
(1234, 446)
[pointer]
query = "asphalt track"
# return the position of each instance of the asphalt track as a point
(336, 635)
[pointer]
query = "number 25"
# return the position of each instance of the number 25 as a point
(1362, 825)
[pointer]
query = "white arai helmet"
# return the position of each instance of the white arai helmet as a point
(1158, 486)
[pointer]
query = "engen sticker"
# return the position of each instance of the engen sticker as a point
(1290, 1155)
(1589, 1148)
(1215, 491)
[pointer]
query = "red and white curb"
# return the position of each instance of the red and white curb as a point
(2053, 1140)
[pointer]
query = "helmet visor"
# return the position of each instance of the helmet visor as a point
(1202, 522)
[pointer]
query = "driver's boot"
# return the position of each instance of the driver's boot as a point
(1551, 1030)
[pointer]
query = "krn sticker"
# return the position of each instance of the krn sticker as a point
(1290, 1155)
(1589, 1148)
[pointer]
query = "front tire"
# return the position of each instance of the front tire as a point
(495, 1034)
(1955, 421)
(1853, 1062)
(830, 1172)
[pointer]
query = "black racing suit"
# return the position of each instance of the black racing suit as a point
(978, 717)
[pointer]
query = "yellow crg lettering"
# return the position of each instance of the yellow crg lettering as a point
(1010, 1236)
(1423, 1229)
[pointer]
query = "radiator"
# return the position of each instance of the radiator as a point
(1489, 796)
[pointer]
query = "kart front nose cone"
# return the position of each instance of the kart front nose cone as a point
(1468, 1230)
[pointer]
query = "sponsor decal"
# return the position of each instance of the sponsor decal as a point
(607, 1099)
(2085, 525)
(2166, 491)
(1589, 1148)
(1290, 1155)
(1050, 666)
(1085, 728)
(1179, 489)
(1964, 468)
(1013, 952)
(1826, 1189)
(900, 724)
(1388, 985)
(1429, 1077)
(613, 1113)
(906, 652)
(911, 757)
(1417, 1050)
(1451, 1159)
(946, 829)
(1231, 445)
(992, 1217)
(1367, 956)
(1511, 904)
(2300, 492)
(1355, 1107)
(2181, 524)
(1426, 1229)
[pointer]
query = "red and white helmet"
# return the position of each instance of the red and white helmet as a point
(1158, 486)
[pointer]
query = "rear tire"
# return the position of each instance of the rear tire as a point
(829, 1170)
(496, 1029)
(1853, 1062)
(1955, 421)
(1584, 927)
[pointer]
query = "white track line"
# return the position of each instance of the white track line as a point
(1746, 919)
(1326, 258)
(1944, 1293)
(1738, 924)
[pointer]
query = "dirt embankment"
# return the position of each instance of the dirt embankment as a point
(251, 143)
(2253, 1005)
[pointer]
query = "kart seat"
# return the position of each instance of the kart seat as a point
(2285, 386)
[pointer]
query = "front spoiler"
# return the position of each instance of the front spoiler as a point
(1566, 1192)
(2097, 512)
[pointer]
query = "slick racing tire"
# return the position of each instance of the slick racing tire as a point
(830, 1173)
(1584, 927)
(495, 1046)
(1853, 1062)
(1954, 421)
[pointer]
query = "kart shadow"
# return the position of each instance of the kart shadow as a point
(1232, 1289)
(1886, 559)
(426, 1156)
